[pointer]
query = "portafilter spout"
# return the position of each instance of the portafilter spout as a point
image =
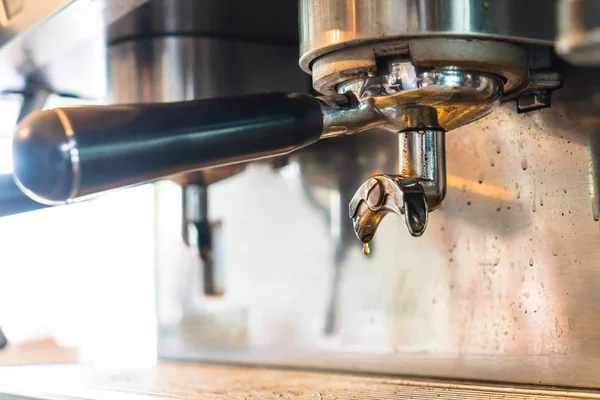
(420, 105)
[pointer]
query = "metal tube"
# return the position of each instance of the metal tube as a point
(63, 155)
(195, 208)
(423, 157)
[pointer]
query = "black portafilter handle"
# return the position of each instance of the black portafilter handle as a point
(65, 154)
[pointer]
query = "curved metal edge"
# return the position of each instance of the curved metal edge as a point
(73, 149)
(70, 147)
(392, 200)
(308, 58)
(334, 67)
(330, 25)
(35, 197)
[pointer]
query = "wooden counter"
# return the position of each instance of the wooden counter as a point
(196, 381)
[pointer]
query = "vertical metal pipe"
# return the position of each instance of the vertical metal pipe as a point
(423, 157)
(195, 210)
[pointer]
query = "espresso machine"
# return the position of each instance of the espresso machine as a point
(279, 134)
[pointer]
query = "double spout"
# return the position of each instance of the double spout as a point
(419, 189)
(67, 154)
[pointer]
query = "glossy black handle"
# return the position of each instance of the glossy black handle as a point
(65, 154)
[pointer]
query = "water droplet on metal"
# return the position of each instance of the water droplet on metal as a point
(524, 164)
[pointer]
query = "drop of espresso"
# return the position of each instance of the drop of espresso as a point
(366, 249)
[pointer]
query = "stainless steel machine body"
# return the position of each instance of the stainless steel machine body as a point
(500, 287)
(502, 284)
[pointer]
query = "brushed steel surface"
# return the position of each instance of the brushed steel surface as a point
(265, 21)
(185, 381)
(328, 25)
(175, 50)
(188, 68)
(503, 285)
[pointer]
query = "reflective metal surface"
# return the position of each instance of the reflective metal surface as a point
(418, 105)
(383, 194)
(328, 25)
(454, 96)
(501, 287)
(198, 234)
(187, 68)
(263, 21)
(419, 188)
